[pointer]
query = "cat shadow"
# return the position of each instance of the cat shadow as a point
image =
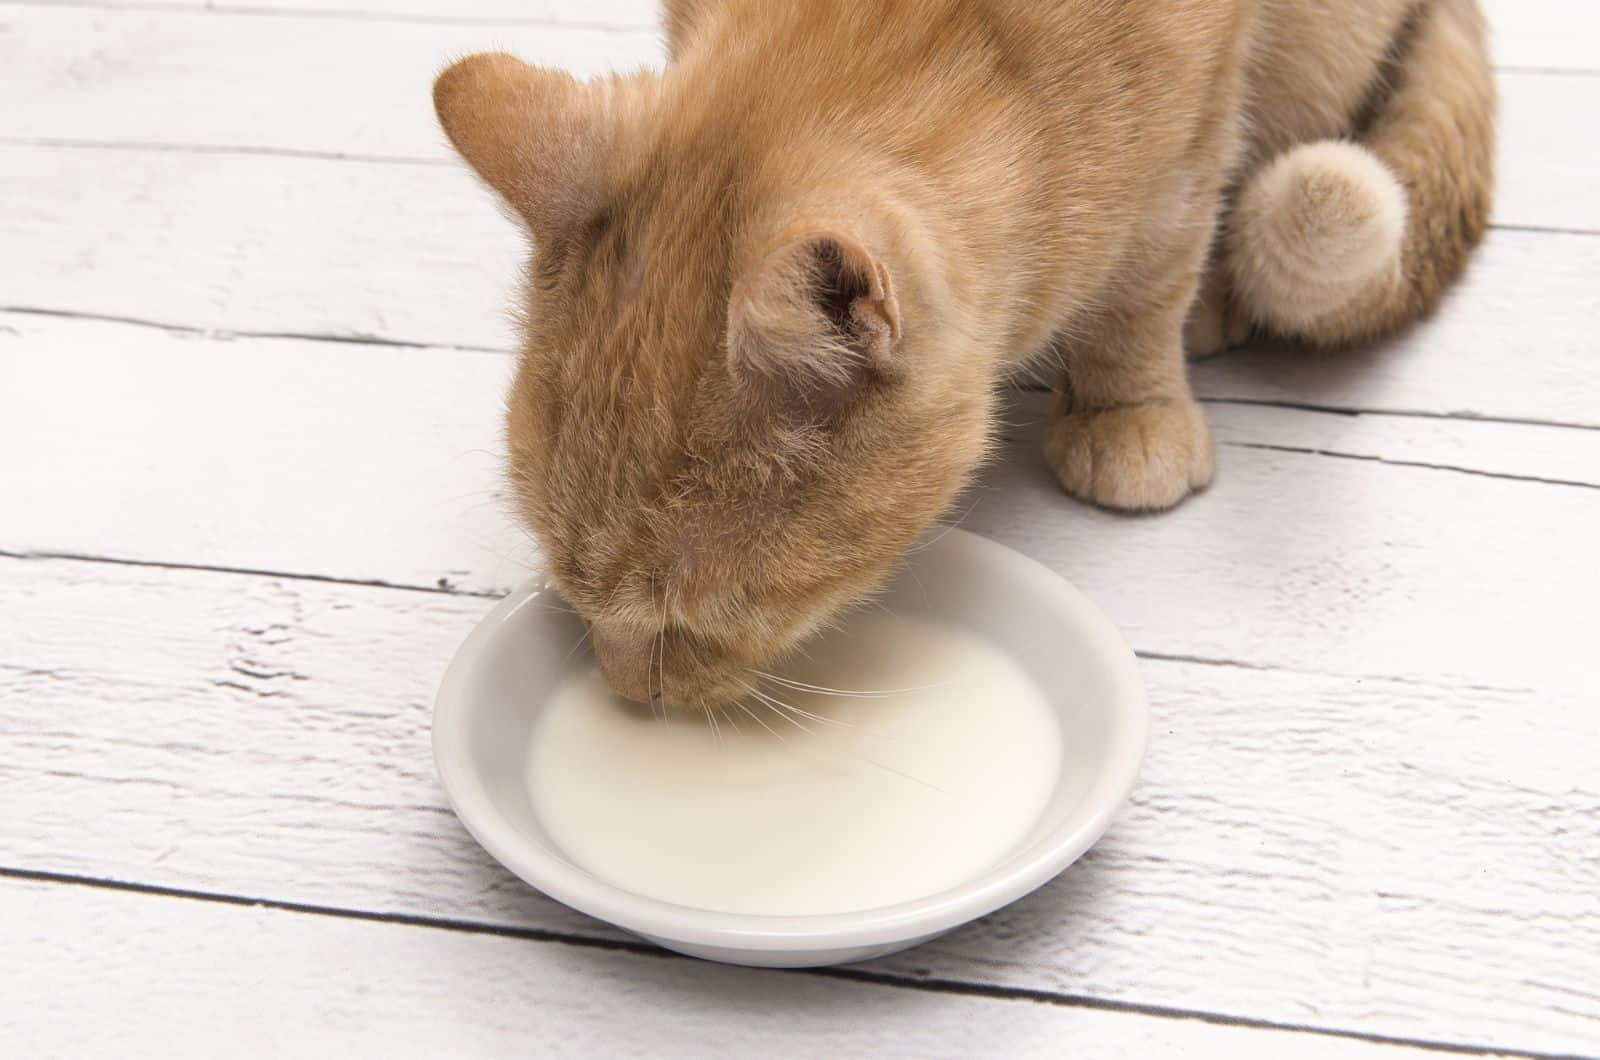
(1262, 370)
(1279, 372)
(1035, 930)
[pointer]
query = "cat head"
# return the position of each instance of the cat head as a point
(740, 397)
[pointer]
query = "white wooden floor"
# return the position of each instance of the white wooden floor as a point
(251, 359)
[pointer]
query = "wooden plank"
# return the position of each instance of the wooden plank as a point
(408, 253)
(1395, 856)
(388, 459)
(264, 82)
(333, 459)
(268, 982)
(419, 254)
(1551, 34)
(1548, 170)
(271, 82)
(616, 14)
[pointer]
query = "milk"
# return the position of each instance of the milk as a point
(871, 802)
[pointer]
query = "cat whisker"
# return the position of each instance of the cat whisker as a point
(777, 704)
(711, 721)
(940, 536)
(903, 775)
(574, 649)
(820, 719)
(661, 641)
(912, 570)
(823, 690)
(753, 716)
(777, 708)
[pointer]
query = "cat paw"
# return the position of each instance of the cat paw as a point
(1313, 231)
(1144, 457)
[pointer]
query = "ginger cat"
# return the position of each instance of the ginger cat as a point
(775, 285)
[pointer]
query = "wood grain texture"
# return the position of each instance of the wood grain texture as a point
(1299, 848)
(279, 245)
(1322, 563)
(174, 979)
(265, 82)
(1508, 450)
(294, 229)
(614, 14)
(342, 460)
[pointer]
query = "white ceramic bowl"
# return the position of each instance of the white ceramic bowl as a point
(502, 675)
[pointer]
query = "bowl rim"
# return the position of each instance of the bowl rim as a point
(930, 915)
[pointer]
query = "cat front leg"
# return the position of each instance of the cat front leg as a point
(1215, 322)
(1128, 433)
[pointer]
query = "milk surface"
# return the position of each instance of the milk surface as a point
(889, 799)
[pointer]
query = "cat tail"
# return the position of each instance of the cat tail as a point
(1343, 240)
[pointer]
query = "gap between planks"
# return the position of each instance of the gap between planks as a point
(442, 588)
(229, 333)
(70, 144)
(958, 987)
(1392, 462)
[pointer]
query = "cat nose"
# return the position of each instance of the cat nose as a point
(626, 664)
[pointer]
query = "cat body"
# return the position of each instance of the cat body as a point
(776, 285)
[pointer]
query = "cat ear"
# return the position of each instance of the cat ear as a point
(530, 133)
(817, 320)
